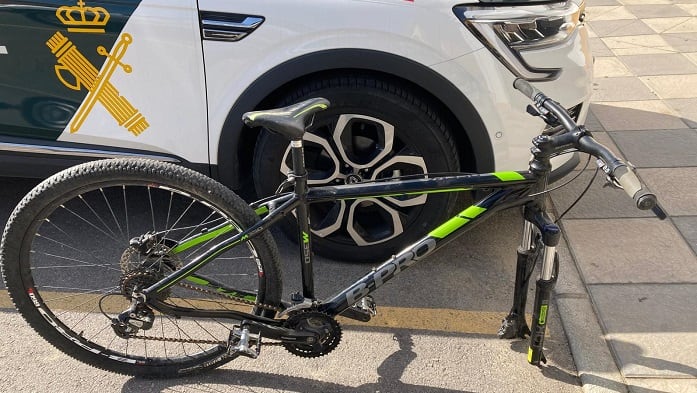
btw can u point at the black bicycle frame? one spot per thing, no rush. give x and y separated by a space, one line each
508 189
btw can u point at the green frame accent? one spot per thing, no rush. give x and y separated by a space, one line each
261 210
456 222
543 314
508 176
202 238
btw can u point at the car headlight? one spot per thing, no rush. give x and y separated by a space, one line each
507 31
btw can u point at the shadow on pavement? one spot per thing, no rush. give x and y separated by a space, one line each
389 372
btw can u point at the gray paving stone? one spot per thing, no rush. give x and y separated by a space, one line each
630 250
638 44
592 122
672 86
675 63
594 3
599 49
656 10
651 328
686 108
637 115
609 67
688 227
622 27
662 385
658 148
679 24
621 89
682 42
676 188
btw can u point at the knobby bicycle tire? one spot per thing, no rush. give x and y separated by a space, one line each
69 265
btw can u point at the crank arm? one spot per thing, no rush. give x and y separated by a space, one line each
285 335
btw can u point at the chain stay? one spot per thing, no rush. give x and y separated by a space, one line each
235 298
212 342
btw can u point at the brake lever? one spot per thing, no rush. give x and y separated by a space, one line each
544 114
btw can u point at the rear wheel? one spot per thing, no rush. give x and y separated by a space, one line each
83 241
374 129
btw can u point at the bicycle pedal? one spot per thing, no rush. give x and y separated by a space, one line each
362 311
240 340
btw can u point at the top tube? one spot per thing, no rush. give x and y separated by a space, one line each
429 185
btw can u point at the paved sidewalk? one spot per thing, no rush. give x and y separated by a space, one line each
640 273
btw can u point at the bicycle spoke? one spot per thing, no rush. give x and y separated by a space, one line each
89 223
111 210
125 210
71 238
68 246
96 215
82 263
152 211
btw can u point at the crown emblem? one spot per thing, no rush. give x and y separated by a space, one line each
82 19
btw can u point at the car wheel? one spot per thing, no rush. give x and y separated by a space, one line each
374 129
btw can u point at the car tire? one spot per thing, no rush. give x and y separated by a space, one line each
373 129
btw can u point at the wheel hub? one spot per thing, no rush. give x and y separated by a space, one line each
146 261
353 179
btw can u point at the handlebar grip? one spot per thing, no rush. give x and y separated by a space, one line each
644 199
526 88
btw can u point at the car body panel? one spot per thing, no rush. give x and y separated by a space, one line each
152 80
190 93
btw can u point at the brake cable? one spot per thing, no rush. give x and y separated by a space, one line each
585 190
580 196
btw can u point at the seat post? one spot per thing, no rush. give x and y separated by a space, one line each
299 173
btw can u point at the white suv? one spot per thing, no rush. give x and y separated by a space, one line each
415 85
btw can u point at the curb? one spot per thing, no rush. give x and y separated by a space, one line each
596 367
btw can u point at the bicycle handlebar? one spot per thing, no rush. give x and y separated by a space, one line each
615 167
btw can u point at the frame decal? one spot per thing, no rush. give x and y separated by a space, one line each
456 222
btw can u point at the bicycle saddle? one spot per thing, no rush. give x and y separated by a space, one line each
289 121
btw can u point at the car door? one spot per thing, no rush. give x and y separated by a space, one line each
115 75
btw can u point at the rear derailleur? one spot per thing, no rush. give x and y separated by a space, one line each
135 318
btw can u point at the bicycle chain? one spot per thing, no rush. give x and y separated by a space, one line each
235 298
195 341
213 342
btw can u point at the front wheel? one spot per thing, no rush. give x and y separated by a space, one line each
374 129
83 241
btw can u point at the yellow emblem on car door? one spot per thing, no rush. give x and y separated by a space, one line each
76 72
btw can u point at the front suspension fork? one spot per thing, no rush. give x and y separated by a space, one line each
515 325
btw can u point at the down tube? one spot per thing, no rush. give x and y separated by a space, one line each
412 254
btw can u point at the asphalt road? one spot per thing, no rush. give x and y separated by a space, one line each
435 332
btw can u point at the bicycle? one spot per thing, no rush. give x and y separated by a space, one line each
141 296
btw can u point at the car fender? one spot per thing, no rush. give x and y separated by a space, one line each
229 168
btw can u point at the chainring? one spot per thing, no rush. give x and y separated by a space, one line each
326 327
